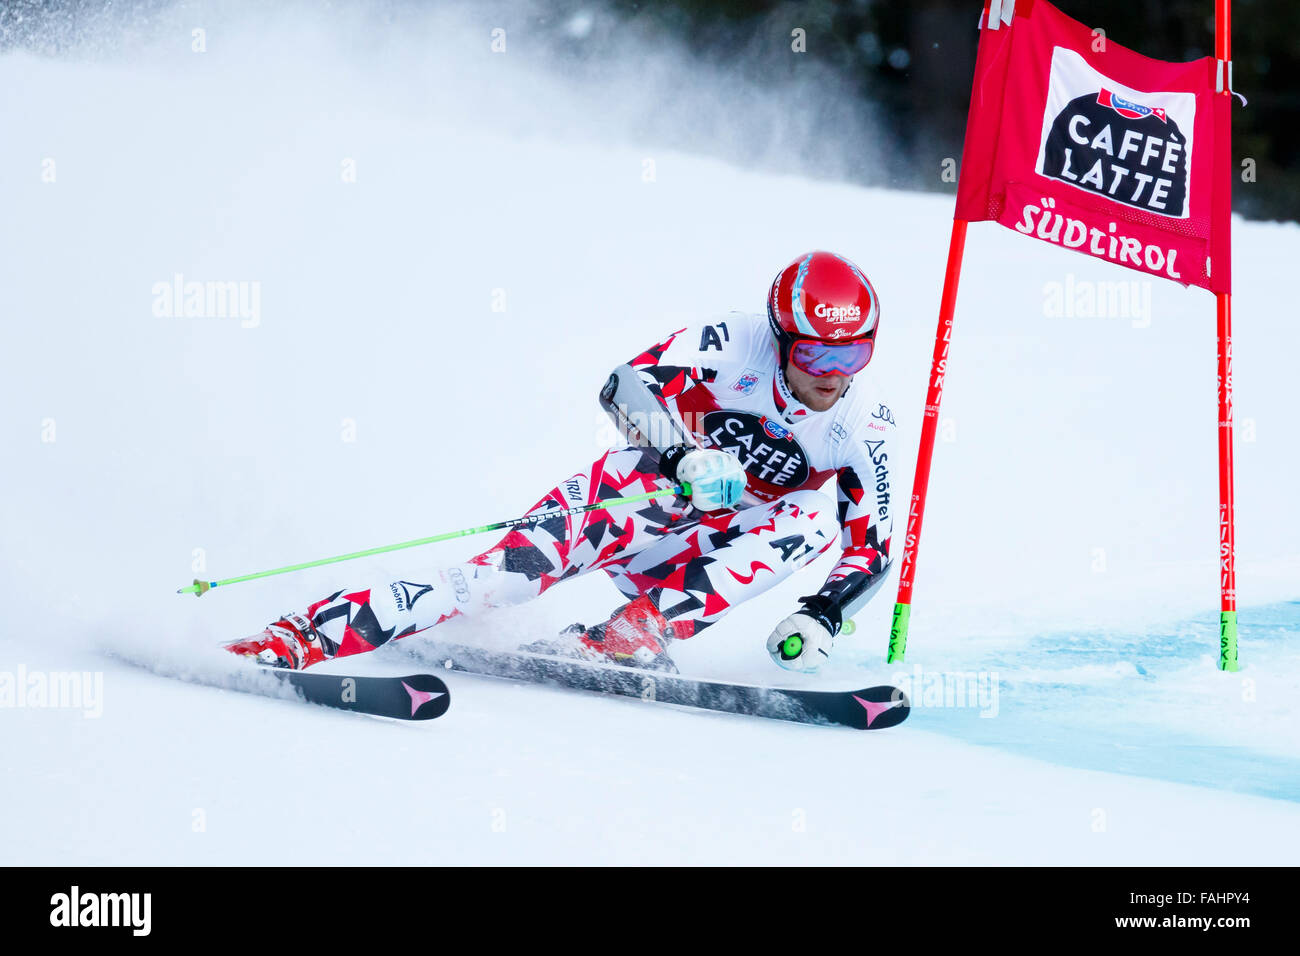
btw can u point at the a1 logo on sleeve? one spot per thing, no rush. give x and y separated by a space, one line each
1122 144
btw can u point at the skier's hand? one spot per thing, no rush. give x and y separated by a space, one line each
715 478
803 641
799 643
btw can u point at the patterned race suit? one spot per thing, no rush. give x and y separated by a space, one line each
716 385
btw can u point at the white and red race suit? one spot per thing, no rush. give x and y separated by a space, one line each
714 385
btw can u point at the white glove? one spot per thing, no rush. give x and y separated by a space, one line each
716 478
800 643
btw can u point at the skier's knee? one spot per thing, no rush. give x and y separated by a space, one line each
819 510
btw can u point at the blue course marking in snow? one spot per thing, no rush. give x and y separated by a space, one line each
1150 705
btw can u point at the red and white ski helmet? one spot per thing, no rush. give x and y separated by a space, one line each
822 297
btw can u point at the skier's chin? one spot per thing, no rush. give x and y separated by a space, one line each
819 394
824 396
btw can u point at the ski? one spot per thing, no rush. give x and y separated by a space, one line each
413 697
870 708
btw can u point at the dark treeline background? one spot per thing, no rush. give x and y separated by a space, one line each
913 61
896 72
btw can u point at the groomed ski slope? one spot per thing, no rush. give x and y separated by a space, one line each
1070 545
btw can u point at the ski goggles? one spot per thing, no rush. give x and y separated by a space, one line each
824 358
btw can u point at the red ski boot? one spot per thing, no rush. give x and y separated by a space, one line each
636 635
290 642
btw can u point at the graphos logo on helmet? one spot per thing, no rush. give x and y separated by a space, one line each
836 313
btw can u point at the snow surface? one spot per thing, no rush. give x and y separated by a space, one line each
1069 559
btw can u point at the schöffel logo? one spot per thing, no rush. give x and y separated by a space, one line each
1108 141
835 313
410 593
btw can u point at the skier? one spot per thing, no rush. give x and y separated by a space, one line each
751 415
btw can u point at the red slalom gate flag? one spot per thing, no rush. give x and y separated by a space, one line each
1075 140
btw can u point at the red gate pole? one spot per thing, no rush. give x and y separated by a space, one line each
929 425
1227 507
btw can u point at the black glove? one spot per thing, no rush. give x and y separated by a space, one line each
824 611
671 458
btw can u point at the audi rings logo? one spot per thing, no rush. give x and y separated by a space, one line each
458 582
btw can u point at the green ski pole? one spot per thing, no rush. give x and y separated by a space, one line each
199 588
